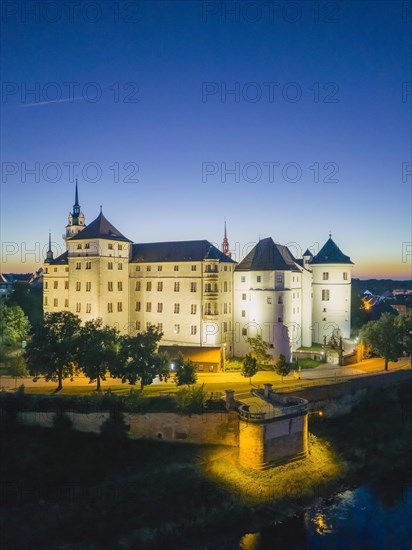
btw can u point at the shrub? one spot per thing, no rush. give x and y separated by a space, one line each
115 426
191 399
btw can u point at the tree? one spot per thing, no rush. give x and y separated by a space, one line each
52 351
18 368
98 349
258 349
14 325
185 371
139 360
29 298
249 367
389 337
282 367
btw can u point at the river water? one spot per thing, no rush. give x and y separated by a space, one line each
357 519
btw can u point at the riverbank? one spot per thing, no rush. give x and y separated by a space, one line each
69 490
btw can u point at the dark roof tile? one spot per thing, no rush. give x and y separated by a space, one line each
178 251
330 253
100 228
268 256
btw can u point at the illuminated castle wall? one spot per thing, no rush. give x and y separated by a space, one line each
291 302
196 294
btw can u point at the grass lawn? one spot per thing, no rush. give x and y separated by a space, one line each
309 363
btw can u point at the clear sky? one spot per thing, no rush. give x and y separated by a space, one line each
315 136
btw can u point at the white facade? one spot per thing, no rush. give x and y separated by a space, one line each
291 303
331 286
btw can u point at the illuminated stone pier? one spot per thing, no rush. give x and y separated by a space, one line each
273 429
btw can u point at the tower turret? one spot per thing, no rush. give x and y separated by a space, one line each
332 277
76 217
49 254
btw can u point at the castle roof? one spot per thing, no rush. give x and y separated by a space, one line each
178 251
60 260
330 253
268 256
100 228
308 253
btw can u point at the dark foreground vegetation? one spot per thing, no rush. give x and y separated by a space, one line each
66 490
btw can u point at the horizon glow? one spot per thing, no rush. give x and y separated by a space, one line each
287 124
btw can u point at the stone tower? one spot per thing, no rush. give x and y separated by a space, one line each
331 287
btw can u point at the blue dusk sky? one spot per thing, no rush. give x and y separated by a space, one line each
287 119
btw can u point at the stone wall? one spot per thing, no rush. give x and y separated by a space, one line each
210 428
263 444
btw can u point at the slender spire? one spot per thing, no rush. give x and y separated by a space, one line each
76 206
49 255
101 209
330 233
76 198
225 244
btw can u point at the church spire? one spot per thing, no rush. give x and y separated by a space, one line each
49 255
225 244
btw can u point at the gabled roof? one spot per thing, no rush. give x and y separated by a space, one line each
60 260
268 256
178 251
308 253
330 253
100 228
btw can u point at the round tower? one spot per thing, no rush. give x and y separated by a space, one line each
331 288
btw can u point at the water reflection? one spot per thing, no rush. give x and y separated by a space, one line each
355 519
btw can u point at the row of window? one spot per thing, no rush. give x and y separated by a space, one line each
208 268
88 265
110 246
176 327
209 287
210 308
279 279
46 269
325 276
66 304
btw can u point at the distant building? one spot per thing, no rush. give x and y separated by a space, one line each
5 286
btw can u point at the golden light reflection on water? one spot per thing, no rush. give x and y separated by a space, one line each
321 526
250 541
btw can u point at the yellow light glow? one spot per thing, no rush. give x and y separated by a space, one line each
320 524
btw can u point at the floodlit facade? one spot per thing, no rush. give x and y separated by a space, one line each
196 294
291 302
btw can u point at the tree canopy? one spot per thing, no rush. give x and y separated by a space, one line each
249 367
282 368
14 325
53 349
98 347
185 371
139 359
389 337
258 349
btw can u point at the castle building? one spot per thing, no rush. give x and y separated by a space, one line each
291 302
196 294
